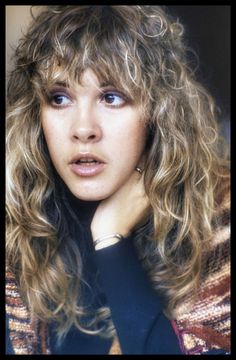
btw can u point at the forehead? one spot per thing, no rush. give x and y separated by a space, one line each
88 77
88 81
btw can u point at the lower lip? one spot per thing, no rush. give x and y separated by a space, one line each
87 169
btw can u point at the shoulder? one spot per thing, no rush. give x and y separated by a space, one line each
24 335
217 256
203 324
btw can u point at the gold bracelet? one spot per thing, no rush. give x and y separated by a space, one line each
99 242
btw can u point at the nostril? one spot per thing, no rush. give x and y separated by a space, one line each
91 137
86 134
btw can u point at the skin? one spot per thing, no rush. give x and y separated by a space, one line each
100 120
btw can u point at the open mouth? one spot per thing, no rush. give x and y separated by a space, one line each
87 165
87 162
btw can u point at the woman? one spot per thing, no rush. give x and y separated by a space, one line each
117 196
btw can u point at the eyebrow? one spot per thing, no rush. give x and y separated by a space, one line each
65 84
62 83
100 85
104 84
107 84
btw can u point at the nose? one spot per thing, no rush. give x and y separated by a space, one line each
86 127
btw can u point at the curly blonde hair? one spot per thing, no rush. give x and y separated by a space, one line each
140 50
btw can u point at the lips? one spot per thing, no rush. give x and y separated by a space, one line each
87 164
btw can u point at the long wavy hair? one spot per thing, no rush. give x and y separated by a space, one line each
140 50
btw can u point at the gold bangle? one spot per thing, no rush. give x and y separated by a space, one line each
100 242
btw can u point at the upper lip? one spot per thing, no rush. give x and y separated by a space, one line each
86 155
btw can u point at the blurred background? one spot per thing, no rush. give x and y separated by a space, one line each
207 32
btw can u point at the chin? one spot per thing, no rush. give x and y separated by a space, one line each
90 196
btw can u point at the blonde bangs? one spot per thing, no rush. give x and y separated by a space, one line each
109 52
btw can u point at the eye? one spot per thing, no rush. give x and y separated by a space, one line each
59 100
113 99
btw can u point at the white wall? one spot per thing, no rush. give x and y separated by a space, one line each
17 19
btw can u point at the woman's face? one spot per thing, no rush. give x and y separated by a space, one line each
94 135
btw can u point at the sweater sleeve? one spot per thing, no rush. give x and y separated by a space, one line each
136 310
8 345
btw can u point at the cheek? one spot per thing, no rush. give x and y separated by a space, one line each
135 138
54 135
128 147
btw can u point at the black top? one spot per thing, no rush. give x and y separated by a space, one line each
118 280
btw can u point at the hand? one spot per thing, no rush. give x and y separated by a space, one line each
123 210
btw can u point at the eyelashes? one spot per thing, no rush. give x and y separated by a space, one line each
114 99
59 100
110 98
